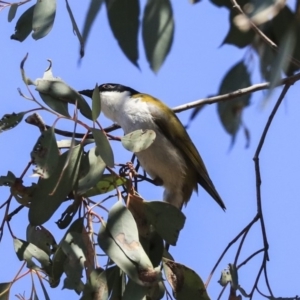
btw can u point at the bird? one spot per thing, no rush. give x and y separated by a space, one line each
172 160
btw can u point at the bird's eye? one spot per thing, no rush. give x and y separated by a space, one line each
108 86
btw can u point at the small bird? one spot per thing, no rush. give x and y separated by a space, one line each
172 159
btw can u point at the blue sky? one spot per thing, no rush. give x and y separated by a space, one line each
193 70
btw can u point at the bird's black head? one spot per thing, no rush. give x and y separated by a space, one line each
113 87
110 87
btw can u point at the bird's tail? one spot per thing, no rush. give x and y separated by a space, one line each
207 184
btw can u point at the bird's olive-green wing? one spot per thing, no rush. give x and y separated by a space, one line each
166 120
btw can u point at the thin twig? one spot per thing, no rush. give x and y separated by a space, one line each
257 167
258 184
258 276
240 247
250 257
267 280
238 93
256 218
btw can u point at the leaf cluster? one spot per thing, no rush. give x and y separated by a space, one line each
134 234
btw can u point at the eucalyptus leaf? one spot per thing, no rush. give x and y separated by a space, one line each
8 180
120 241
12 11
60 257
138 140
96 103
43 18
237 37
103 147
45 154
75 28
74 248
9 121
166 219
41 237
57 106
185 283
134 291
282 60
107 183
156 292
96 285
91 170
51 192
26 251
90 17
54 90
158 31
123 19
230 112
24 25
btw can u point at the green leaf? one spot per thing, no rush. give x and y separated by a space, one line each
51 192
91 170
138 140
281 60
4 290
115 282
41 237
69 213
134 291
45 154
103 147
60 257
185 283
43 18
96 285
60 107
7 180
237 37
107 183
158 31
75 28
24 25
69 143
10 121
96 103
26 251
157 291
74 248
123 19
280 25
154 246
230 112
166 219
120 241
90 17
54 91
12 11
